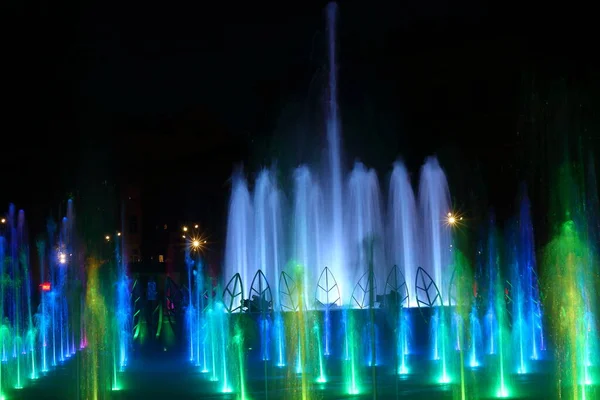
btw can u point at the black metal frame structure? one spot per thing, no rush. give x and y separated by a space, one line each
234 291
327 276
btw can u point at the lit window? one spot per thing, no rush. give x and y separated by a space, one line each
161 258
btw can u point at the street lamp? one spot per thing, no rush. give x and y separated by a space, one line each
453 219
185 228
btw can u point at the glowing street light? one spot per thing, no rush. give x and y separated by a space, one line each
3 220
453 220
118 233
196 243
185 228
196 226
107 237
62 258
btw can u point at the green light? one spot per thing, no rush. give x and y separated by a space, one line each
502 392
238 340
299 359
353 390
350 368
317 332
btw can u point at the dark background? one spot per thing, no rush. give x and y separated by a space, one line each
174 97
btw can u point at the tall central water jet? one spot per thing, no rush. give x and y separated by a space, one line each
337 261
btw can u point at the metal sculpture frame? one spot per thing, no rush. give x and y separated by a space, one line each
421 273
136 297
175 296
400 291
263 292
287 290
365 289
208 295
232 294
327 275
206 300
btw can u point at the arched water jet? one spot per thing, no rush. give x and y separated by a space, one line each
402 227
434 205
364 225
308 227
238 253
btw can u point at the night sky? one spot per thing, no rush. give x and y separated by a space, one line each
175 97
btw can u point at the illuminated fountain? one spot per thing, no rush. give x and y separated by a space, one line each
20 349
97 378
569 280
565 258
122 307
464 331
334 227
500 331
34 336
335 281
333 273
525 304
65 276
402 227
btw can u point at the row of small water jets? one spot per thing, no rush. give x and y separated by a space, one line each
265 231
44 326
38 331
491 319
